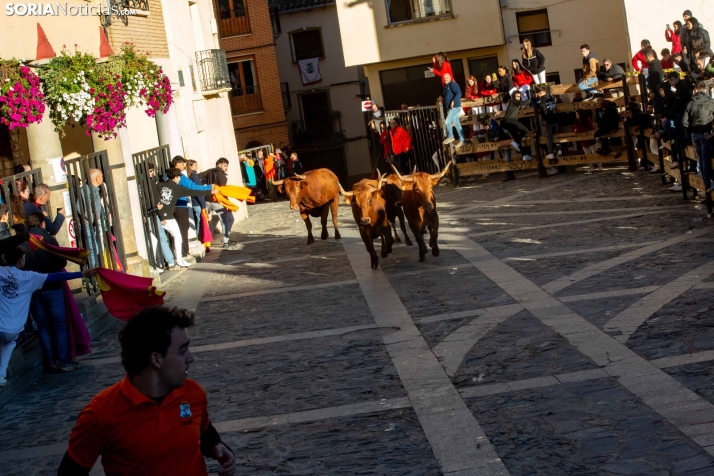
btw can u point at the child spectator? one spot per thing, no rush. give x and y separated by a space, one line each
583 123
533 61
441 66
674 37
591 67
472 93
496 133
489 88
522 78
607 123
667 61
697 119
639 61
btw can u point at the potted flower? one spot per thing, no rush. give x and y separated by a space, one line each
20 95
145 82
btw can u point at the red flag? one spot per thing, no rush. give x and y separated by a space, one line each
75 255
125 294
206 235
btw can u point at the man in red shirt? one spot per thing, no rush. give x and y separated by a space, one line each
155 421
401 144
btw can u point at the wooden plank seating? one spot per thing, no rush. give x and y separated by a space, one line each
601 86
470 146
572 137
618 155
492 166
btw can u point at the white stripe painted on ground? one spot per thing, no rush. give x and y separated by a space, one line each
286 289
684 359
630 319
556 254
559 213
508 309
449 425
707 285
686 410
199 275
608 294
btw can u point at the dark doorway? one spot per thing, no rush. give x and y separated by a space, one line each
332 159
317 119
411 87
480 67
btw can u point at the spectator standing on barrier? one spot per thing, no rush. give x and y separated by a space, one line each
496 133
583 123
510 122
401 144
610 72
697 119
452 108
549 120
505 85
296 164
696 31
154 215
590 69
170 192
441 67
656 73
218 176
42 196
533 61
154 421
672 116
607 123
639 61
377 117
16 294
674 36
181 210
198 203
47 304
522 79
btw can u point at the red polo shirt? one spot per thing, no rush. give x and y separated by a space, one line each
136 436
401 142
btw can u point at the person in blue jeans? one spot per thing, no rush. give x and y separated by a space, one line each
698 117
452 107
198 203
166 252
591 67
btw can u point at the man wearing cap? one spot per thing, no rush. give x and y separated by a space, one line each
154 421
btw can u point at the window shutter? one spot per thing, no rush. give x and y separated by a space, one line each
533 22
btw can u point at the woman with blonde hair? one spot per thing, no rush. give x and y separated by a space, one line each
534 61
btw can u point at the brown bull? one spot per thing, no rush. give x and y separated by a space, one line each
370 212
392 192
315 194
419 206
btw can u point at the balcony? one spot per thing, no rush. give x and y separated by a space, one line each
329 129
404 11
245 100
285 93
212 71
232 18
275 22
142 5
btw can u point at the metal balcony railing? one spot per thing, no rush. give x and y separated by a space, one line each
285 92
414 10
213 71
136 4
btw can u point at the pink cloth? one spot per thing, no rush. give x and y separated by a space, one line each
77 334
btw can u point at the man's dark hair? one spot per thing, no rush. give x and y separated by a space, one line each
645 42
586 46
177 160
485 120
18 169
12 256
665 52
650 53
672 75
222 160
35 219
173 172
150 166
396 119
148 332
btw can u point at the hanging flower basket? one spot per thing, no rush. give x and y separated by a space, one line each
114 65
20 95
145 82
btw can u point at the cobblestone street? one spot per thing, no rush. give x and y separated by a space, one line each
563 330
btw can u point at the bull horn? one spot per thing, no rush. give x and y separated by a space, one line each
301 177
278 182
414 171
380 180
342 191
402 178
442 173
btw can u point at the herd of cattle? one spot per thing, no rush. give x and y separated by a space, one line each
376 206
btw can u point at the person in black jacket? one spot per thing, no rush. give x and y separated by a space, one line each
672 116
4 226
698 117
296 164
696 31
608 122
610 72
496 133
510 122
505 85
218 176
198 203
656 74
153 213
534 61
169 192
42 195
47 304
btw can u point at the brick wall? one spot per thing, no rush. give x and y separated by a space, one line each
146 33
260 45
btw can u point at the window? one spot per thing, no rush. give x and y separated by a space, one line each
409 10
245 95
535 26
552 78
410 86
307 44
232 18
578 74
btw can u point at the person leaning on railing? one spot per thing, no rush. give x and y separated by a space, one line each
697 119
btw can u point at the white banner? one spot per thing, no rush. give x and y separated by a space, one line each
310 71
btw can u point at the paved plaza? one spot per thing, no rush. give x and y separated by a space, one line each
566 329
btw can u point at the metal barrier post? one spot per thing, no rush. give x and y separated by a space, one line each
631 160
8 189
